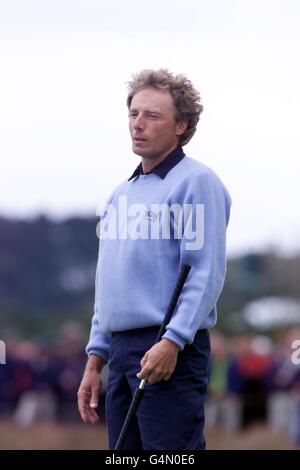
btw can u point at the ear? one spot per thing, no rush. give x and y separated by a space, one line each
181 127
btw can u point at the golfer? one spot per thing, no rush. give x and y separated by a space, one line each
173 210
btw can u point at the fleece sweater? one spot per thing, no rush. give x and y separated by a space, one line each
149 228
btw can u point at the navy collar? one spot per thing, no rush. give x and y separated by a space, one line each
163 167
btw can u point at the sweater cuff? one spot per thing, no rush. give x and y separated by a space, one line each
99 352
172 336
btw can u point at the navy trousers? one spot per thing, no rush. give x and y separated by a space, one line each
171 414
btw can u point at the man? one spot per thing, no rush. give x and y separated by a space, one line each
182 211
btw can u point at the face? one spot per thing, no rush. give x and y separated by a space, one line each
154 131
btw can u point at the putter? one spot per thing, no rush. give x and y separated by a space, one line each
139 392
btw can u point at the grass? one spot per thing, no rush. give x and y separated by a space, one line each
84 437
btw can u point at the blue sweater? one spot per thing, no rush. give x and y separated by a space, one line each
149 229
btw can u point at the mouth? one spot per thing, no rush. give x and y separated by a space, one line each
139 139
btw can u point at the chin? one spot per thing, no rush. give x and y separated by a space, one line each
137 152
141 153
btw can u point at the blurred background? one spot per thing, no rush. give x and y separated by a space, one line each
64 146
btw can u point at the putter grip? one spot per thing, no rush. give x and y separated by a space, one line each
137 397
176 293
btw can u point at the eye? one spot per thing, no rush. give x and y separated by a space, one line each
152 116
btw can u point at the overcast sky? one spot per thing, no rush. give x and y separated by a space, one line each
64 141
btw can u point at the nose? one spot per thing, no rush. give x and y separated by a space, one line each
138 123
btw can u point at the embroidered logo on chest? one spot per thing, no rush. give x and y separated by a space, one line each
150 215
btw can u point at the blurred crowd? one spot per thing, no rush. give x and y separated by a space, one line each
39 381
252 379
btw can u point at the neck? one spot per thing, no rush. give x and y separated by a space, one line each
149 163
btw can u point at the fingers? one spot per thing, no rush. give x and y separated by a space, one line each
88 397
144 360
88 415
153 375
87 412
158 377
167 377
95 398
144 372
158 363
145 369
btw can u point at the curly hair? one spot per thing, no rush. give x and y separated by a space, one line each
186 97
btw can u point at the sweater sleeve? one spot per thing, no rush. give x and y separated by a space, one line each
203 247
99 341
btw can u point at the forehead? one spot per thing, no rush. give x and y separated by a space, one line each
152 98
